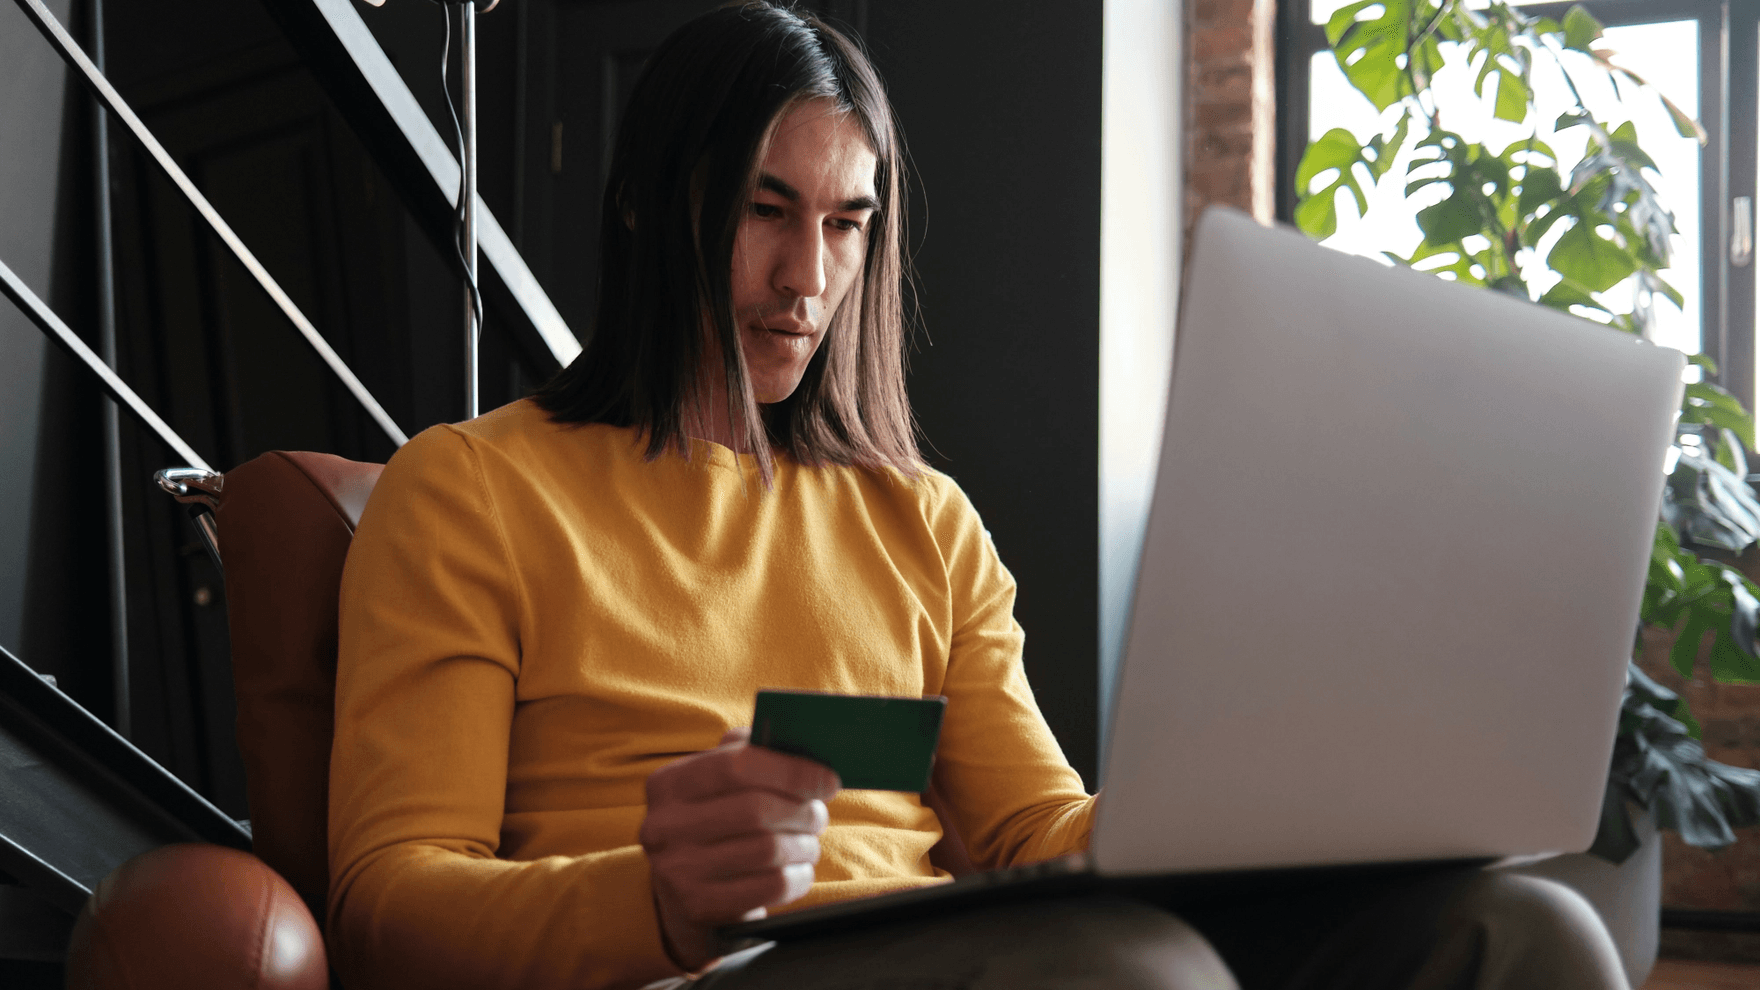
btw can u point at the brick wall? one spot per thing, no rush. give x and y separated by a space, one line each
1729 716
1700 879
1230 111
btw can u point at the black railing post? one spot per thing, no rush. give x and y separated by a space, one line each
122 711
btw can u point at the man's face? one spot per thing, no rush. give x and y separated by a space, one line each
801 243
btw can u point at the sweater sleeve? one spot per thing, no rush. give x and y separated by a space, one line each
429 655
1014 797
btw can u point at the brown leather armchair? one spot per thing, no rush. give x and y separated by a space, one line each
212 917
286 520
283 524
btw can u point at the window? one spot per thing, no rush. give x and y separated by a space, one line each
1701 53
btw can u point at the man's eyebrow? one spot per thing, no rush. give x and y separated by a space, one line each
771 183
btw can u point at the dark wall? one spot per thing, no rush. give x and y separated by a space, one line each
31 119
1001 113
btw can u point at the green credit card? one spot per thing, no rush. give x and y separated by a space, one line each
873 742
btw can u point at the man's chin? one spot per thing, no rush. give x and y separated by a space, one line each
771 392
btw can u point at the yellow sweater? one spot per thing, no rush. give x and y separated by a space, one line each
535 618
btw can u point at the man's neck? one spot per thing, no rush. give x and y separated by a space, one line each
706 417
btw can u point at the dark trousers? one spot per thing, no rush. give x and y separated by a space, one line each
1453 930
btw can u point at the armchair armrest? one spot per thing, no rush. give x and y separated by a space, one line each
195 916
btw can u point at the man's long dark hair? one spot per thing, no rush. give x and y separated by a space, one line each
697 123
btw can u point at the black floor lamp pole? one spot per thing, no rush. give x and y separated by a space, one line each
473 329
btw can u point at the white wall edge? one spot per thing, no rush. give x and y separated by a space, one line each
1142 116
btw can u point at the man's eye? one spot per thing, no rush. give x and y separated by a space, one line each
766 210
849 225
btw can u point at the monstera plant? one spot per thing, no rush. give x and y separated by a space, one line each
1567 235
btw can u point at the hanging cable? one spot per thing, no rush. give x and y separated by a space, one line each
462 203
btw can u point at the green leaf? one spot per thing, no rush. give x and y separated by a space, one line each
1487 168
1417 184
1729 665
1539 187
1387 149
1712 394
1667 540
1665 570
1317 216
1673 294
1569 119
1337 148
1461 266
1684 716
1527 150
1512 97
1705 402
1704 361
1658 764
1732 455
1684 124
1369 49
1536 229
1316 212
1342 19
1712 506
1378 78
1580 29
1589 259
1732 655
1486 66
1625 145
1566 294
1450 220
1726 455
1511 284
1686 645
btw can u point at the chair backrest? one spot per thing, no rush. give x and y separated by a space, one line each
285 521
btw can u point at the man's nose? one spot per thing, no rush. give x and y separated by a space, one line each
801 269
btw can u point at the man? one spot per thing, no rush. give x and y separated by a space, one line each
555 617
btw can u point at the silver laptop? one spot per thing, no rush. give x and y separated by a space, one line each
1388 587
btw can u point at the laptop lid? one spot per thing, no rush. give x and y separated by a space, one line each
1392 568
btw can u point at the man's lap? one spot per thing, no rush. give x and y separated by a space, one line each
1457 929
1097 941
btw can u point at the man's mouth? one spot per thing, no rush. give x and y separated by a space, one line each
786 329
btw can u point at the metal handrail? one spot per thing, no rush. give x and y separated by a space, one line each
410 135
100 86
200 490
336 44
122 696
39 313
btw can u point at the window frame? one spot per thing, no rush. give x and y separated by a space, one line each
1729 77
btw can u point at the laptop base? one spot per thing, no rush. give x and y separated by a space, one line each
1068 877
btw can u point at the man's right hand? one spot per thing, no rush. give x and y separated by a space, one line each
730 832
